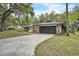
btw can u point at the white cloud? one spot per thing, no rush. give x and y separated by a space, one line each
71 6
57 8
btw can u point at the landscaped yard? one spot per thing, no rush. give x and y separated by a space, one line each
7 34
59 45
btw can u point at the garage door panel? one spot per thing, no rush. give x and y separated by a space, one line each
47 29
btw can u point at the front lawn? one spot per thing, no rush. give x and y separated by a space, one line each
8 34
59 45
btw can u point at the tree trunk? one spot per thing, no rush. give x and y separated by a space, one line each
2 25
4 17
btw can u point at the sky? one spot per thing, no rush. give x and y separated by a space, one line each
40 8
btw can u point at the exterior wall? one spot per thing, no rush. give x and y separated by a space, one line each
30 29
36 29
58 29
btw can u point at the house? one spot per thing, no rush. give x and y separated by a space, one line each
10 28
45 27
28 28
48 27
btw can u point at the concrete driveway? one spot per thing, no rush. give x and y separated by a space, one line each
21 46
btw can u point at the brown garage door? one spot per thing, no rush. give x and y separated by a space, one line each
48 29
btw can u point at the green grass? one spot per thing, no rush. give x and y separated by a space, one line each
8 34
59 46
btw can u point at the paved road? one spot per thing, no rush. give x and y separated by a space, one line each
21 46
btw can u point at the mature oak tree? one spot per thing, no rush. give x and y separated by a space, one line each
15 9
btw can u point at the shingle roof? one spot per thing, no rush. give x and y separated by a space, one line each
49 23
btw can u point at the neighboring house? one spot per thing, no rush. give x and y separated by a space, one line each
48 27
17 28
10 28
28 28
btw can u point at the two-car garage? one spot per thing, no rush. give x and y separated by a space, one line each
47 29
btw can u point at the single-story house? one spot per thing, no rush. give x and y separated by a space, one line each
45 27
48 27
10 28
28 28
